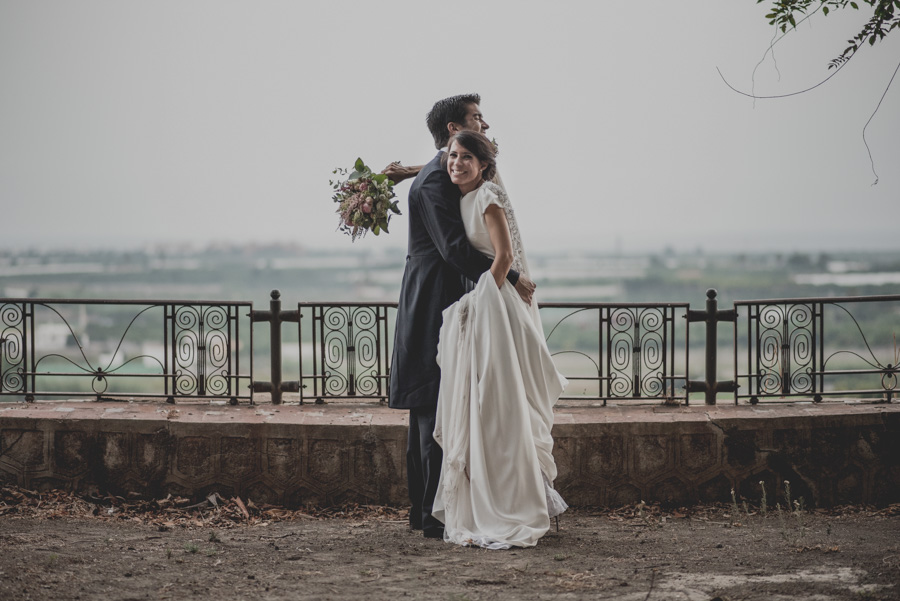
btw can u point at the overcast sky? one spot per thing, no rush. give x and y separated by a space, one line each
124 124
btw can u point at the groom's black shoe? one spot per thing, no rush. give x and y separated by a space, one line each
434 532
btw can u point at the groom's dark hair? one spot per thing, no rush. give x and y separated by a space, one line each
448 110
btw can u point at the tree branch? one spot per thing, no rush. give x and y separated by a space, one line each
754 96
871 160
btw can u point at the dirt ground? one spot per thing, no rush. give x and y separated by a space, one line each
56 546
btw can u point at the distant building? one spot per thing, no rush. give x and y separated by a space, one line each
56 337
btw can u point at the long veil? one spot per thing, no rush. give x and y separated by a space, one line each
520 261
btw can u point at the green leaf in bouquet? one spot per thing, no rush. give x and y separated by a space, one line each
384 226
379 177
359 165
395 208
376 230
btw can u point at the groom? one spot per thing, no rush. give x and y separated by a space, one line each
439 260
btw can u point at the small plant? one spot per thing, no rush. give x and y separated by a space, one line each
168 553
734 507
640 509
210 552
802 529
787 493
762 502
560 557
214 537
746 509
191 547
781 521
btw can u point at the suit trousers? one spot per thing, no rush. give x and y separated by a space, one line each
423 469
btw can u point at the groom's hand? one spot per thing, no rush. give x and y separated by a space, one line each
397 172
525 288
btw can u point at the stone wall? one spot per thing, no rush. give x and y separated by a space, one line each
280 463
291 455
830 455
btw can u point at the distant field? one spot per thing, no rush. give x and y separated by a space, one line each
368 274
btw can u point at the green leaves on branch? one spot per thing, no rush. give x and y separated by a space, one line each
359 169
885 18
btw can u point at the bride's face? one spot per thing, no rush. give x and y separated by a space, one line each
465 169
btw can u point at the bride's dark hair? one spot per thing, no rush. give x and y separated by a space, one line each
478 144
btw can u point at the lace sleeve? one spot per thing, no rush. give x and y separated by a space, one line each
498 196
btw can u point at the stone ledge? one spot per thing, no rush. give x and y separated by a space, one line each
292 455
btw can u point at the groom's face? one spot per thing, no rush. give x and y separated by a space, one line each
474 121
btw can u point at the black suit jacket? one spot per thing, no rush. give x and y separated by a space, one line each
439 252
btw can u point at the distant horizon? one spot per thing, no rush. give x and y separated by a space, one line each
370 245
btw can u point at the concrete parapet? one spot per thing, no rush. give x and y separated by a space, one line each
832 453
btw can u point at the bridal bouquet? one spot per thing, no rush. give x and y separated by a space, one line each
364 200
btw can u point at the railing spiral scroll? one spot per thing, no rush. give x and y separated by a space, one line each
350 346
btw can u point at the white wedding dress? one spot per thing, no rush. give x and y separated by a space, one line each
495 407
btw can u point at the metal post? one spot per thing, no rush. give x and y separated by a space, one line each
275 316
711 316
275 344
712 330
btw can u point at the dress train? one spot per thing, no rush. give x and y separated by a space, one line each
495 412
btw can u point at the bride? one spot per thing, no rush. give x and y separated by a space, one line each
498 382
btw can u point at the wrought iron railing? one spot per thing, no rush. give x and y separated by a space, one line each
631 353
345 350
623 352
782 351
627 351
165 349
